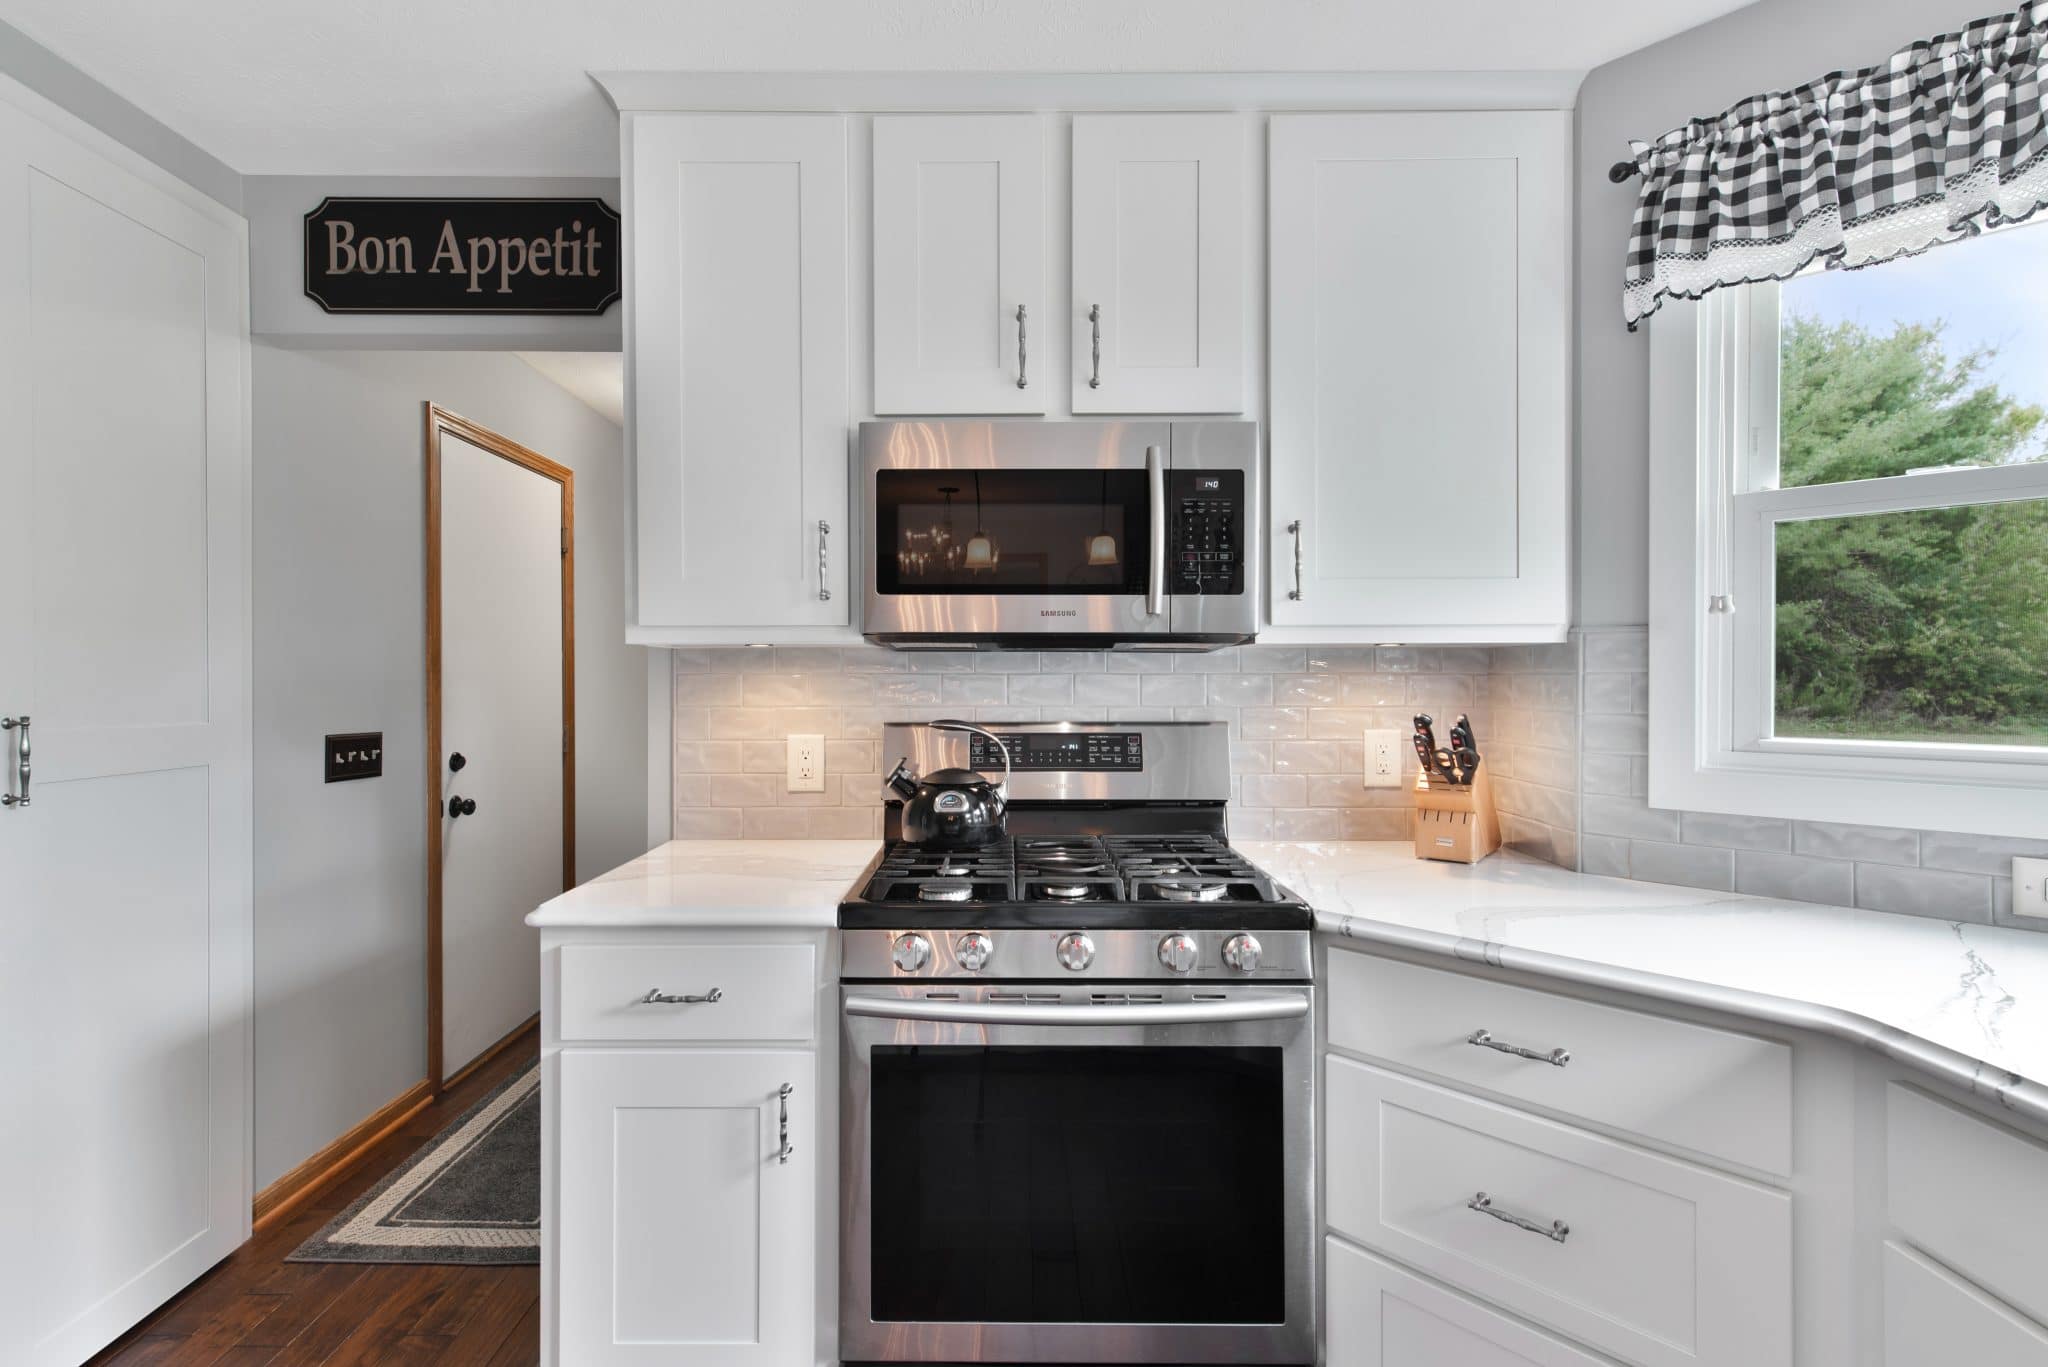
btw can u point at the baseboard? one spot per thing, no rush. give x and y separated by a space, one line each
292 1190
512 1037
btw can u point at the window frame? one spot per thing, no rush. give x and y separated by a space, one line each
1714 498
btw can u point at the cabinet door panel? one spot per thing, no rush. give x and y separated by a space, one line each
1932 1318
1159 205
959 247
1421 321
738 338
683 1238
1382 1316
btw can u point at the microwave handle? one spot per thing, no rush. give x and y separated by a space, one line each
1032 1013
1155 489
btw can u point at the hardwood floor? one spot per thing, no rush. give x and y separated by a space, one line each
254 1308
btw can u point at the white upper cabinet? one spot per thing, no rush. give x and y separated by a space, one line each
1420 305
959 223
736 338
1158 308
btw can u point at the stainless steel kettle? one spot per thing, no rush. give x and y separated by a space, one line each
951 809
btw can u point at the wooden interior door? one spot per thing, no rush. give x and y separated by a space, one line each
124 639
501 734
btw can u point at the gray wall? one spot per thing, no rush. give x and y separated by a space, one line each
339 568
63 84
1769 46
280 311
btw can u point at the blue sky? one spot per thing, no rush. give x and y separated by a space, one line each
1991 290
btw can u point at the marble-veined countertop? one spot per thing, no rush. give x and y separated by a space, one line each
1968 1003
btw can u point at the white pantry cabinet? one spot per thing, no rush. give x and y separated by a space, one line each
1158 307
736 338
959 252
685 1236
1420 313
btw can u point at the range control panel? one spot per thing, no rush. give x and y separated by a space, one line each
1039 751
1205 531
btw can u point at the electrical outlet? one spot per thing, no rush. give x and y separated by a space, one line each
1383 759
2030 887
806 764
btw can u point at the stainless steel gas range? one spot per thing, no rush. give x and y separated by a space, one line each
1078 1078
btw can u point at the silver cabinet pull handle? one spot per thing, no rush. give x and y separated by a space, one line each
20 797
784 1149
824 530
1155 495
656 997
1485 1040
1095 346
1294 594
1556 1229
1020 346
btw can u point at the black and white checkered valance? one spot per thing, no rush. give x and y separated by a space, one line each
1944 138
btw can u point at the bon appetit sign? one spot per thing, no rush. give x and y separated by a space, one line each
463 255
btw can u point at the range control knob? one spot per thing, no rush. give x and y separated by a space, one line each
971 951
1241 952
1178 953
1075 952
912 953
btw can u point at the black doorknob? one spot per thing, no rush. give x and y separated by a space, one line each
461 806
456 761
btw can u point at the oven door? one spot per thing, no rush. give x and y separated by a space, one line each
1048 1174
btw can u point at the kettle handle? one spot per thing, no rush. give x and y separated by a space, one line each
901 781
950 724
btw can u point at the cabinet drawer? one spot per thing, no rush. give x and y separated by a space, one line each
1712 1091
1382 1316
1971 1193
1661 1262
765 992
1933 1318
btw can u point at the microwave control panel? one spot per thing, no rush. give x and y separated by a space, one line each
1205 536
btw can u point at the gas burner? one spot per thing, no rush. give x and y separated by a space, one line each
1192 892
950 870
1065 892
949 891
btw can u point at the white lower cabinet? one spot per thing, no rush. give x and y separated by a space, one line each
1933 1318
1383 1316
685 1235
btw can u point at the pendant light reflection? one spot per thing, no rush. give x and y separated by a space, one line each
982 553
1102 546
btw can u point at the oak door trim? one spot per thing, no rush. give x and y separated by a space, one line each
438 421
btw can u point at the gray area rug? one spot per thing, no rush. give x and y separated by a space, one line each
471 1195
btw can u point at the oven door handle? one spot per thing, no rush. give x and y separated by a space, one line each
1031 1013
1155 498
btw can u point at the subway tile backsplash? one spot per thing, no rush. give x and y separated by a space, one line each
1297 718
1564 729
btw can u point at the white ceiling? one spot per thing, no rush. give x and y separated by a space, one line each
598 378
498 87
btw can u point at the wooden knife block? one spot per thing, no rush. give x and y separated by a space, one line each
1455 822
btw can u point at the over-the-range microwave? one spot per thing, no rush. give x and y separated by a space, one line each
1049 535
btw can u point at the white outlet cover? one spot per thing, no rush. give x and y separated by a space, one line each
806 764
2030 887
1383 762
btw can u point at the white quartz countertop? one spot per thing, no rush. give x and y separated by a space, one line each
1968 1003
713 884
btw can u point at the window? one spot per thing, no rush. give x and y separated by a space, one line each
1850 543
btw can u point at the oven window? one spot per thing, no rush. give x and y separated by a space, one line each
1078 1185
1011 531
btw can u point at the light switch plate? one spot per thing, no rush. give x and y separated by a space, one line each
1383 759
2030 887
806 764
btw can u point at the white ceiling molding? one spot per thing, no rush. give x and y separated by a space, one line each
454 87
914 91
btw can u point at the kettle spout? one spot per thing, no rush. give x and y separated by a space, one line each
901 781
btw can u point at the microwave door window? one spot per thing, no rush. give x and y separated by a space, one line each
1040 532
